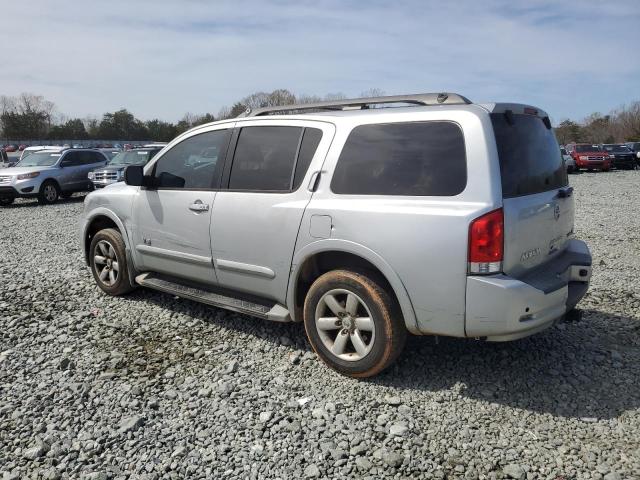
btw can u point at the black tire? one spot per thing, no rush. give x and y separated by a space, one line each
384 342
66 195
115 261
49 193
6 201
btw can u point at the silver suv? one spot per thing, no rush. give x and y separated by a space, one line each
48 174
440 218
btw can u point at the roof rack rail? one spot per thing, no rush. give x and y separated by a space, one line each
443 98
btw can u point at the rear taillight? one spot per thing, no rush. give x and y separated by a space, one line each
486 243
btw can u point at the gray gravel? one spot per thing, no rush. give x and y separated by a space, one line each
152 386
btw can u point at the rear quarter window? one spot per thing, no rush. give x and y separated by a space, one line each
529 155
409 159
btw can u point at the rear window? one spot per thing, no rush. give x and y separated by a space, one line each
414 159
530 159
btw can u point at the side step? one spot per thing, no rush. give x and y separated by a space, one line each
267 310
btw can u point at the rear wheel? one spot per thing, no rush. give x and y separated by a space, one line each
108 261
353 323
49 192
4 201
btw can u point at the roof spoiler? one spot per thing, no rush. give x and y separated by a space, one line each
443 98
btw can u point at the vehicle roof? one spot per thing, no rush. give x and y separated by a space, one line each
338 115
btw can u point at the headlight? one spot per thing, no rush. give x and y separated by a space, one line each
24 176
92 176
584 157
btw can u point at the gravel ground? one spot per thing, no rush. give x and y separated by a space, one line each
151 386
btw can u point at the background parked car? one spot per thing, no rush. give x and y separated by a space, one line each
623 156
114 171
11 148
110 152
589 156
49 174
568 160
635 148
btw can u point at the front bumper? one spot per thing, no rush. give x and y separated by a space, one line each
625 162
502 308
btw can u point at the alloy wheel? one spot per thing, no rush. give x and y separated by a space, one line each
345 324
105 263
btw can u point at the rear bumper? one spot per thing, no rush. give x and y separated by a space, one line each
501 308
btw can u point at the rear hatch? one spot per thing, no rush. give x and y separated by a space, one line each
538 204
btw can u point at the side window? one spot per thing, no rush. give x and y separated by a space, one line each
417 158
310 141
264 158
72 159
89 158
194 163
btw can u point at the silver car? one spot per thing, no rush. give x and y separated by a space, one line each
441 218
49 174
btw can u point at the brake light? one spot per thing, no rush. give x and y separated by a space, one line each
486 243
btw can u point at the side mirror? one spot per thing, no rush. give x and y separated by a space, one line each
134 175
65 163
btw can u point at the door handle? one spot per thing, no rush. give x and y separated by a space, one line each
198 206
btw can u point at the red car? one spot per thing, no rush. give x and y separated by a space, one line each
590 156
11 148
22 147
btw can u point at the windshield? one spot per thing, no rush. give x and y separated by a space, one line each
588 148
133 157
39 159
529 155
617 148
110 153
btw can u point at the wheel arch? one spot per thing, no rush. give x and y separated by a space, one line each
100 219
318 257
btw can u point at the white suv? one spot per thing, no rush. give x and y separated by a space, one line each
441 218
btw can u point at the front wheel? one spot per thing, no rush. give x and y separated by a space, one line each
353 323
108 261
49 193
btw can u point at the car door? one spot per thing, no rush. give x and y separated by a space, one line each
70 164
171 220
90 161
256 217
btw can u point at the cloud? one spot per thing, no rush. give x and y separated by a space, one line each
164 58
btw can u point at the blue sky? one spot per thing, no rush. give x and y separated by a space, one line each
165 58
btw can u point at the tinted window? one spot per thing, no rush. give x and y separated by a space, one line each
264 158
418 158
193 163
92 157
530 158
72 159
310 140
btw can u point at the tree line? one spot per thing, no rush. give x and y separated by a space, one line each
29 116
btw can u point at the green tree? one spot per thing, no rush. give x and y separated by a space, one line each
121 125
569 131
160 131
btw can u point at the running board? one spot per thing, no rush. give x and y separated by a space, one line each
274 311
